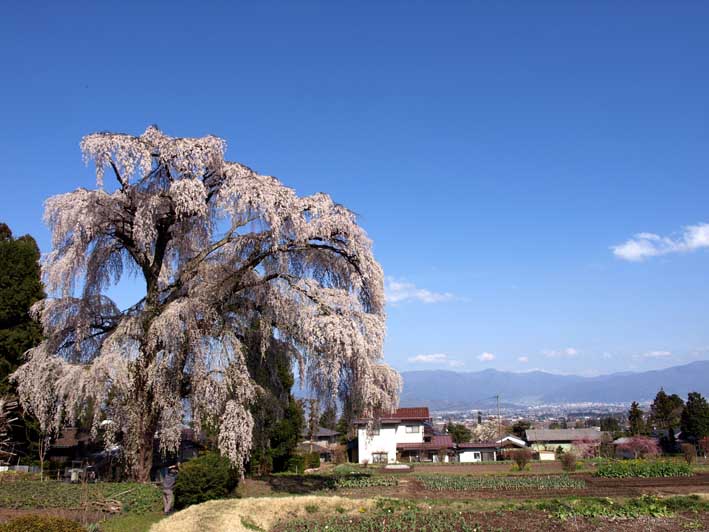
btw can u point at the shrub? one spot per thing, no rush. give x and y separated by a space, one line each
641 447
644 469
690 453
568 461
296 464
209 476
522 458
312 461
32 523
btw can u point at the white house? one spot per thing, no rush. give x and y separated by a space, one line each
406 431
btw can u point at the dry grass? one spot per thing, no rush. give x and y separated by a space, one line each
226 515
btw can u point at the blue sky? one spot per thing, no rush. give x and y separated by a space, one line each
496 152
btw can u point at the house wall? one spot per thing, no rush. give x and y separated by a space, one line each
384 442
409 437
470 456
551 446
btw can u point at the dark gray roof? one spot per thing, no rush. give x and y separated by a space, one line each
321 432
561 435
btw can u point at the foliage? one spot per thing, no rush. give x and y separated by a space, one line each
568 462
135 498
645 505
488 430
610 424
520 428
690 453
278 418
365 481
328 417
459 432
296 464
695 417
521 457
641 447
209 476
33 523
635 419
527 482
586 447
666 410
312 460
20 288
643 468
219 247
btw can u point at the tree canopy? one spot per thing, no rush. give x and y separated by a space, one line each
20 288
666 409
459 432
217 247
695 417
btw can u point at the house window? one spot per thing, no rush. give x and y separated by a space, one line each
476 456
413 429
380 458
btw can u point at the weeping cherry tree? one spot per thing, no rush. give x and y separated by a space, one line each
219 248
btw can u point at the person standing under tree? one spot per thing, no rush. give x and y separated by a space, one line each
168 485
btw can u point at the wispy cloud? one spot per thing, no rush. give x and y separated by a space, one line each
398 291
523 360
437 358
655 354
645 245
567 352
486 357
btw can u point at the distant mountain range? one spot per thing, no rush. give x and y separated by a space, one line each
451 390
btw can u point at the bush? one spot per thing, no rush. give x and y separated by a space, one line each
689 452
644 469
312 460
209 476
296 464
33 523
568 461
522 458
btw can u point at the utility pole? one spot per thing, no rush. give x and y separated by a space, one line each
499 420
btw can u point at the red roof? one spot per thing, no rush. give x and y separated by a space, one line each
436 443
418 413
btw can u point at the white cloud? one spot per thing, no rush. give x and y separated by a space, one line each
523 360
655 354
399 291
486 357
644 245
436 358
567 352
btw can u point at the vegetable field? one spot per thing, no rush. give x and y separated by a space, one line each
463 483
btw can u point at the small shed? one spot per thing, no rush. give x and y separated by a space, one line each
477 452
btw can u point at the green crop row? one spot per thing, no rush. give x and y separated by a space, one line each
365 481
462 483
643 469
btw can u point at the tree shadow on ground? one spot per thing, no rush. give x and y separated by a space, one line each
300 484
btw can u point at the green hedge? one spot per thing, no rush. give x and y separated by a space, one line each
34 523
644 469
209 476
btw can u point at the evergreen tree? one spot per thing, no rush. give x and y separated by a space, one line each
328 417
666 410
695 417
635 420
20 287
610 424
520 429
278 419
459 432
